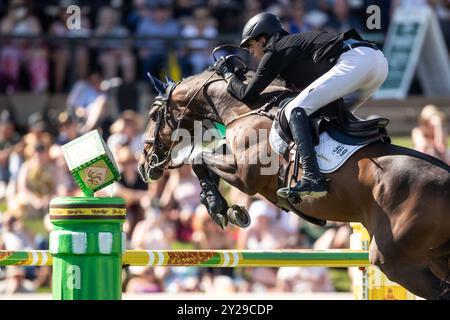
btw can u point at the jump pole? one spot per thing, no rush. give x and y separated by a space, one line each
79 275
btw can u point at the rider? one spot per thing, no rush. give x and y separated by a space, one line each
330 66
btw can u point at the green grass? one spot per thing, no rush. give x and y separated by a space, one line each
403 141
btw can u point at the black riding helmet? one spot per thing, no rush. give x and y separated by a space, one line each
262 24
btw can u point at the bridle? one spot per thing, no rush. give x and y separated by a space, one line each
161 102
162 116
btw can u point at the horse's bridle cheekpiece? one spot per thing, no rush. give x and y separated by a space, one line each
164 92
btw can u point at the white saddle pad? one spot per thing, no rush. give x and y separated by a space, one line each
331 154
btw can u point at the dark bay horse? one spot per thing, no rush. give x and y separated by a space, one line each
401 196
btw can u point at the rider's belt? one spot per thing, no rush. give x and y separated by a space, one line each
359 44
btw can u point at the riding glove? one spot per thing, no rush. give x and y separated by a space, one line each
223 67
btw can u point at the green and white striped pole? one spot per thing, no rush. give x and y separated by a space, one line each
87 245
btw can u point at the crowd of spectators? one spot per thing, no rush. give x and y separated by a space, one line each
53 63
166 214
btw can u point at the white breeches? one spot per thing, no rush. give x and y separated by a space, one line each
359 71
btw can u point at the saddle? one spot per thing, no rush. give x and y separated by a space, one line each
339 123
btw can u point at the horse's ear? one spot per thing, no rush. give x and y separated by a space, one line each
169 81
157 84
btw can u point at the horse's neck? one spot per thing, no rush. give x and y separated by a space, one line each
226 111
232 112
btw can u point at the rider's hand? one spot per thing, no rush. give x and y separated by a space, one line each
224 68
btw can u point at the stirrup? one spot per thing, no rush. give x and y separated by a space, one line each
296 196
288 193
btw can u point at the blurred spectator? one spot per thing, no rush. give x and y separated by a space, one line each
182 179
229 14
222 284
199 51
304 280
430 136
10 141
183 8
16 282
65 183
130 187
67 128
136 14
342 20
206 233
157 22
88 101
37 179
114 53
144 281
14 234
316 19
265 232
37 125
153 233
296 18
127 131
183 225
336 237
20 21
61 53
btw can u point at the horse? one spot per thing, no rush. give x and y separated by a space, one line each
401 196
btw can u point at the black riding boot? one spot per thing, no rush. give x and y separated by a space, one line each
313 182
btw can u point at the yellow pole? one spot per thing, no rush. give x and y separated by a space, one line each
369 283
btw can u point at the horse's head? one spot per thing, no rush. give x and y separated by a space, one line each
172 110
155 156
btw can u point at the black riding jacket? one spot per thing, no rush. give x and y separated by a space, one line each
299 59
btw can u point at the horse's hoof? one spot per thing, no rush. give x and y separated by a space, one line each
238 216
220 220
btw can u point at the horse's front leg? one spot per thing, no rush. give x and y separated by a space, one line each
210 195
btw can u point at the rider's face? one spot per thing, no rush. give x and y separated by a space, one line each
256 48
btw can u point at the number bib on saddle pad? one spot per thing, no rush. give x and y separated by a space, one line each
331 154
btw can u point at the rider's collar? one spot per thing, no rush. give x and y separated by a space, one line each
270 44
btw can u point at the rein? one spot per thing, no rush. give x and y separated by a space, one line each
262 111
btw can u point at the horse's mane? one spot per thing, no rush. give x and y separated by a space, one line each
277 86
